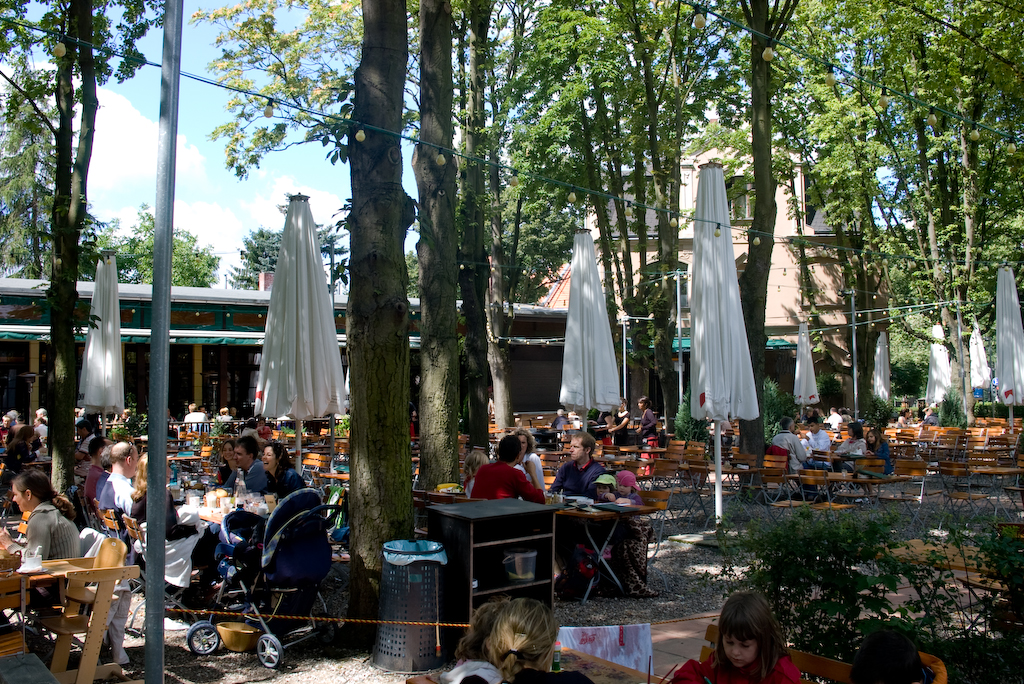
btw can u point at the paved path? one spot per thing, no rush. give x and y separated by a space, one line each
676 642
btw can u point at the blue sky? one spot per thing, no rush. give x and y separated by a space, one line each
210 202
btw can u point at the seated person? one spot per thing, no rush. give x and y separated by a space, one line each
500 480
522 644
888 657
251 467
854 443
174 530
282 479
83 429
577 477
471 663
50 529
604 488
230 463
750 648
791 443
99 471
627 489
820 440
471 467
263 431
529 462
22 448
560 421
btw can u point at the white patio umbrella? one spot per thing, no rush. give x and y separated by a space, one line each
1009 341
589 373
721 376
981 374
939 370
805 389
101 388
300 368
880 381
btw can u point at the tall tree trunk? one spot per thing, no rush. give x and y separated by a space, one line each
70 204
436 249
754 281
499 292
474 271
378 320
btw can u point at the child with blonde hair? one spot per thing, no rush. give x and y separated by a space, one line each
750 648
474 459
522 644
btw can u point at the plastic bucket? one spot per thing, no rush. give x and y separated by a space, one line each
520 564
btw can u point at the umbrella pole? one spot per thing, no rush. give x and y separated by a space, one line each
718 473
298 446
331 437
1011 419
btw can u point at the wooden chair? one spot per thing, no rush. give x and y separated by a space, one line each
74 620
111 520
111 554
958 490
658 499
12 595
908 486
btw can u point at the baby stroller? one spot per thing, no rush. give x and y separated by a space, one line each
272 572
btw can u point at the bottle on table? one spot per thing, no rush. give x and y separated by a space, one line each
556 660
240 490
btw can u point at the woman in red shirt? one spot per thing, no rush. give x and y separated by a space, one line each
501 480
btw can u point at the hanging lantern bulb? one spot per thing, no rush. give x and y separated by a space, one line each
830 78
629 210
360 135
674 222
853 259
1011 147
783 271
514 180
975 135
778 289
440 159
699 20
757 240
268 111
59 50
718 231
58 261
883 100
933 120
768 54
572 197
885 261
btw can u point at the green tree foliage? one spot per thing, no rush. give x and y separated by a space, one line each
191 266
259 255
412 264
302 53
26 192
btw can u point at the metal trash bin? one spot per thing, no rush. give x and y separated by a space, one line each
412 589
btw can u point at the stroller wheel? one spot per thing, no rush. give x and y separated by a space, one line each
202 638
269 651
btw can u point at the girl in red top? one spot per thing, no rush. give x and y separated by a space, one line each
750 648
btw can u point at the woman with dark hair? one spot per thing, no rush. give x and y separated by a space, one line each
877 446
21 448
230 464
50 530
648 423
618 426
282 479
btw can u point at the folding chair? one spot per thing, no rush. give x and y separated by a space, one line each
12 595
660 500
908 486
958 490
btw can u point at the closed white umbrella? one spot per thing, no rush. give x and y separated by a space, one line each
981 374
805 389
300 368
939 370
880 381
1009 341
721 376
101 389
589 374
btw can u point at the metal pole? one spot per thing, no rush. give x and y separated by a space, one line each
718 472
160 345
853 334
624 395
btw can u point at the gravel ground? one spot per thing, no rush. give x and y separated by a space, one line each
689 571
689 592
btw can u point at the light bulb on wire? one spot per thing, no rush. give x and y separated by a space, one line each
699 20
360 135
59 50
440 159
674 222
975 135
933 120
718 231
268 111
883 99
1011 147
514 180
830 79
768 54
756 240
572 197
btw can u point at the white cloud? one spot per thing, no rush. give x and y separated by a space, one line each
264 207
215 226
124 150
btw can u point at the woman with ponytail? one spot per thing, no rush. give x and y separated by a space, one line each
522 644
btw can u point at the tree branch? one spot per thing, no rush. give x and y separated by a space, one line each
31 102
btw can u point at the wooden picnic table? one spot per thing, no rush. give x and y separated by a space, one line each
942 556
599 671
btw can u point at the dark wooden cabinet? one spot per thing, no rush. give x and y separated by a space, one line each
477 537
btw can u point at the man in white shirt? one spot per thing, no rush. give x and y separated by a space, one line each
816 437
834 420
117 494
